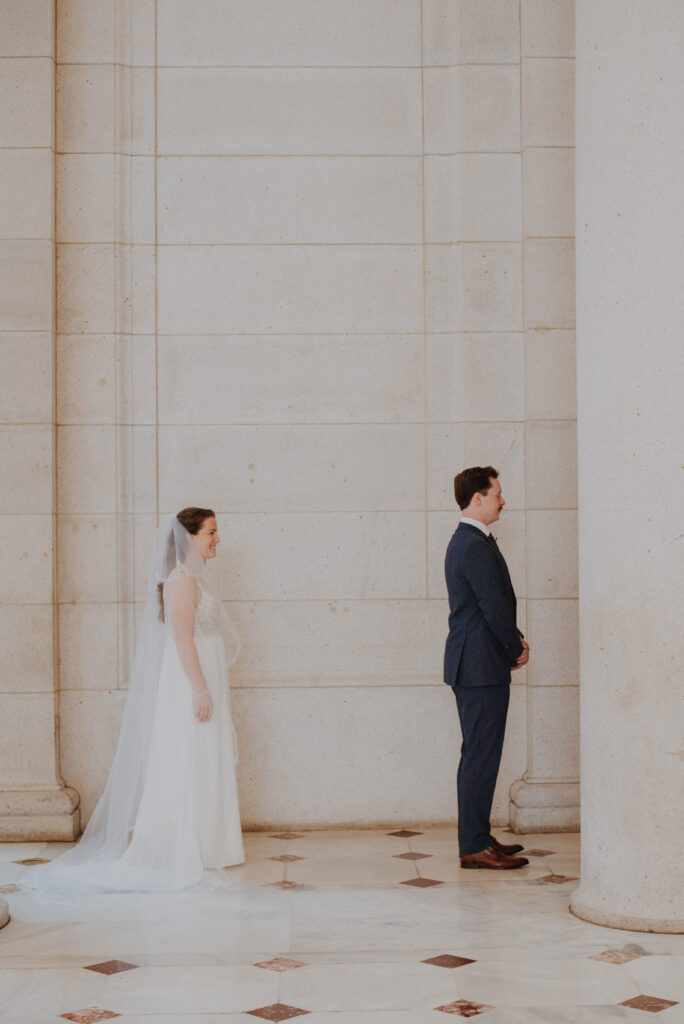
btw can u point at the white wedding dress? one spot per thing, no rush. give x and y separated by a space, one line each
188 820
168 819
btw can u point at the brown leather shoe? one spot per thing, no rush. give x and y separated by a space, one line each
508 849
493 859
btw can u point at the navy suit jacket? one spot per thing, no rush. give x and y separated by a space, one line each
483 640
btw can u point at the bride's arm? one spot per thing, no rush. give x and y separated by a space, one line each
179 601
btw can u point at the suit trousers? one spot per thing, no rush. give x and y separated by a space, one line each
482 712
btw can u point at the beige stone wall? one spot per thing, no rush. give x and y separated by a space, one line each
26 392
315 257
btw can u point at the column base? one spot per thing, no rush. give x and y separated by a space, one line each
4 913
545 806
48 815
599 915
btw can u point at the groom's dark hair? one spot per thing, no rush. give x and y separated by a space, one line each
469 482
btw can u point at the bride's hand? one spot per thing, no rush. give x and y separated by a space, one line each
203 706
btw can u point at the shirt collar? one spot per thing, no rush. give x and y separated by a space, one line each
477 523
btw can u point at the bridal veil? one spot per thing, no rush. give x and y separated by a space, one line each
84 873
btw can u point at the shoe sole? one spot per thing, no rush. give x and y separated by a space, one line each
494 867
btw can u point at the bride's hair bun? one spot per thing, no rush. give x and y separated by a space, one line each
192 518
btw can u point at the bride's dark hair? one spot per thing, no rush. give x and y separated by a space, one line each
191 518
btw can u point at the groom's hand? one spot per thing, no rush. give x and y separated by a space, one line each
524 657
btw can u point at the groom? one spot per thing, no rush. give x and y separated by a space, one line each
483 645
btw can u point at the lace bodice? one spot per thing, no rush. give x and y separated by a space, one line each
207 614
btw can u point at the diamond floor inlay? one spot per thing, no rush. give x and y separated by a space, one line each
90 1015
277 1011
281 963
448 960
333 929
421 883
615 956
652 1004
464 1008
112 967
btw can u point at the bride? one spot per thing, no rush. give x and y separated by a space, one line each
168 818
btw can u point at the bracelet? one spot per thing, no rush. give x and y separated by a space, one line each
199 693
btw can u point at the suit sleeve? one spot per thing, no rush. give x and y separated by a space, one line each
481 575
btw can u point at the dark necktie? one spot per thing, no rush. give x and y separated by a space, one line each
492 540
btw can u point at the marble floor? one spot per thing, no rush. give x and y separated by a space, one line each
353 927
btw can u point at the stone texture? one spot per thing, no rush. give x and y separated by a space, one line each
88 646
86 108
549 283
550 374
538 807
289 111
27 377
26 559
26 455
470 32
553 633
230 33
552 547
26 285
472 109
549 177
26 651
363 290
473 197
551 456
310 379
30 211
85 185
548 28
631 363
473 287
86 293
27 87
475 377
321 464
53 814
87 32
281 200
548 107
27 28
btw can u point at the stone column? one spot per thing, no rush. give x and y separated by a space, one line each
34 803
546 798
630 274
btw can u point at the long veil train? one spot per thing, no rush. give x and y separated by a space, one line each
96 869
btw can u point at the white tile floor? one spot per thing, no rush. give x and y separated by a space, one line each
359 934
